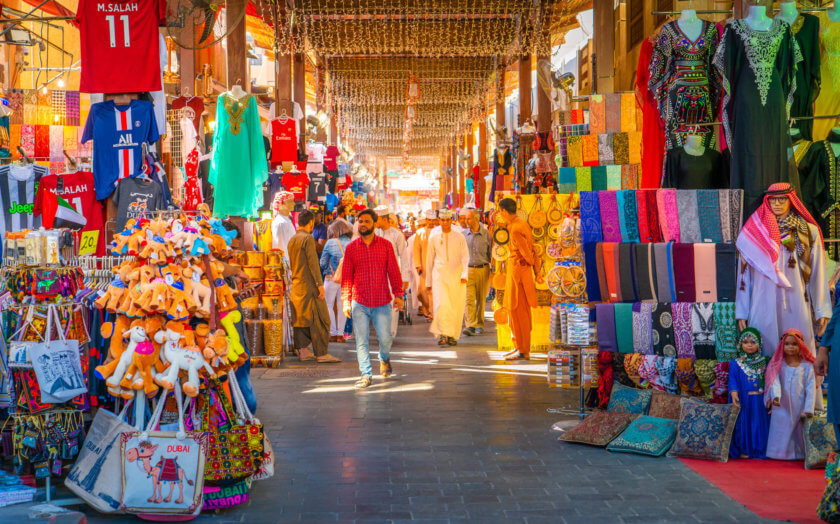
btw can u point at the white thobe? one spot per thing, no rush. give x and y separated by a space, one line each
414 278
772 309
397 240
282 230
794 387
447 262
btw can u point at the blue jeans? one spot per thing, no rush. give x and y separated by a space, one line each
381 317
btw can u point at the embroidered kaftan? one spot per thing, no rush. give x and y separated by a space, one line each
758 71
796 389
806 29
239 166
828 102
818 172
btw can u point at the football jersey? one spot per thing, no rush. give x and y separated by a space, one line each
18 186
117 39
331 158
317 187
297 184
77 189
283 140
118 133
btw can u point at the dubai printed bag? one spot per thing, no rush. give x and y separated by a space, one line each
165 469
96 475
57 364
19 357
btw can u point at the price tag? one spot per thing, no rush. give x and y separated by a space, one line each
87 245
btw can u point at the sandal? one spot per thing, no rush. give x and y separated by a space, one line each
517 356
306 355
363 382
327 359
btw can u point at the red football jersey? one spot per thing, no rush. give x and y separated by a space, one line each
296 184
117 39
78 190
283 140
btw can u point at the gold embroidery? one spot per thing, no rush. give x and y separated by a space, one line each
235 109
797 24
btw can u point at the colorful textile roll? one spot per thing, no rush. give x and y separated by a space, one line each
662 263
726 267
606 156
583 178
628 216
683 256
723 213
626 281
624 327
726 331
705 370
705 273
642 254
597 114
632 363
666 368
642 323
590 150
605 320
662 332
621 148
669 218
686 378
708 209
635 139
648 372
602 273
684 342
574 150
703 330
613 177
593 290
628 112
613 112
590 217
599 178
619 372
611 271
689 216
609 216
566 180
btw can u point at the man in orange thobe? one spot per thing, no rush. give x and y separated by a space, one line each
522 263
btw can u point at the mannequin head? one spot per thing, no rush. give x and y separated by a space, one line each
779 205
283 204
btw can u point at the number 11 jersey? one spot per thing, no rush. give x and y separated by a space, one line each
118 37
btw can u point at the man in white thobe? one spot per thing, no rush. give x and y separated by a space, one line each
392 234
448 261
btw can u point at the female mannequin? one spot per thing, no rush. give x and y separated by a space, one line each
694 145
788 12
690 25
757 18
828 101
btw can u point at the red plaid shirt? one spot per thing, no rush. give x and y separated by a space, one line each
369 273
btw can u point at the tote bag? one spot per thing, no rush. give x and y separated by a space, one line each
96 475
57 364
336 277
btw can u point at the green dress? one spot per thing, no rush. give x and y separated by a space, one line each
239 167
806 31
821 188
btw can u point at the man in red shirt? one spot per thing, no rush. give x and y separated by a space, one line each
370 284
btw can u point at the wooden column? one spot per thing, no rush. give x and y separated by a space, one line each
544 85
468 173
524 88
500 98
604 40
282 71
333 128
299 79
237 61
483 169
321 99
186 57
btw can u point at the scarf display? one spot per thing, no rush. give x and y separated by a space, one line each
760 239
605 147
635 138
631 367
609 216
642 214
686 378
642 325
621 147
663 268
705 273
624 327
683 332
774 367
642 280
689 216
590 217
590 150
665 368
619 372
726 268
574 150
614 177
662 331
669 218
605 378
648 372
720 390
626 272
736 208
583 178
683 257
599 181
703 331
590 259
611 270
726 331
613 104
708 209
669 258
602 273
605 316
654 232
597 115
705 371
628 216
725 218
752 364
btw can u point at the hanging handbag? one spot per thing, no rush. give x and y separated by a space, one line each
336 276
57 364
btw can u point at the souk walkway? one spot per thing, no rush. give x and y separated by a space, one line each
453 435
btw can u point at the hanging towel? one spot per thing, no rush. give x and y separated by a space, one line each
599 178
683 328
611 271
683 256
725 220
726 331
597 114
642 322
593 290
662 332
641 271
661 255
602 273
703 330
708 209
689 216
605 320
605 148
583 178
614 177
628 216
590 217
669 219
609 216
705 273
726 271
625 263
624 327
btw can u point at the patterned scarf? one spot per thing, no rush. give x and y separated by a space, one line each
665 368
705 370
752 364
796 238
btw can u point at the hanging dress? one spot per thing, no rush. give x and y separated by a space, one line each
683 82
818 172
806 29
758 71
828 102
653 130
239 165
192 191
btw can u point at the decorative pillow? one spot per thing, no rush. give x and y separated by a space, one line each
599 428
819 442
646 436
629 400
664 405
704 430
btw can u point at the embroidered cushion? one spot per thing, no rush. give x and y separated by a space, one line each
646 436
819 442
704 430
599 428
664 405
629 400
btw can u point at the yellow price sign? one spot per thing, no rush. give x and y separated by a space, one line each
87 245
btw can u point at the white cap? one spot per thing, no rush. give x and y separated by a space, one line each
445 213
463 212
381 211
430 214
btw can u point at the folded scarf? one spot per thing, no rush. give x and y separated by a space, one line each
669 218
605 321
613 112
662 332
641 216
624 327
736 208
686 378
583 178
661 255
689 216
725 220
627 215
726 268
630 177
599 178
720 391
590 259
626 282
611 271
642 322
665 368
590 150
605 378
726 331
648 372
602 273
605 146
590 217
597 115
705 273
631 367
619 372
609 216
703 331
641 271
574 151
705 370
684 272
684 342
621 148
613 174
652 210
708 208
566 180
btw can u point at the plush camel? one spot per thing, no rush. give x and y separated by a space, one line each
195 287
155 298
186 358
116 290
136 334
114 331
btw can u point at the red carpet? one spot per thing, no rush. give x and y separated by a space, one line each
772 489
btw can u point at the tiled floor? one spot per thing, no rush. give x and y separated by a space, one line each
454 435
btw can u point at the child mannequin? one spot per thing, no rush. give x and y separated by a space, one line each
746 390
790 396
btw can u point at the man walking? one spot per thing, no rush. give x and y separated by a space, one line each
448 261
311 317
371 287
386 230
421 244
478 275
